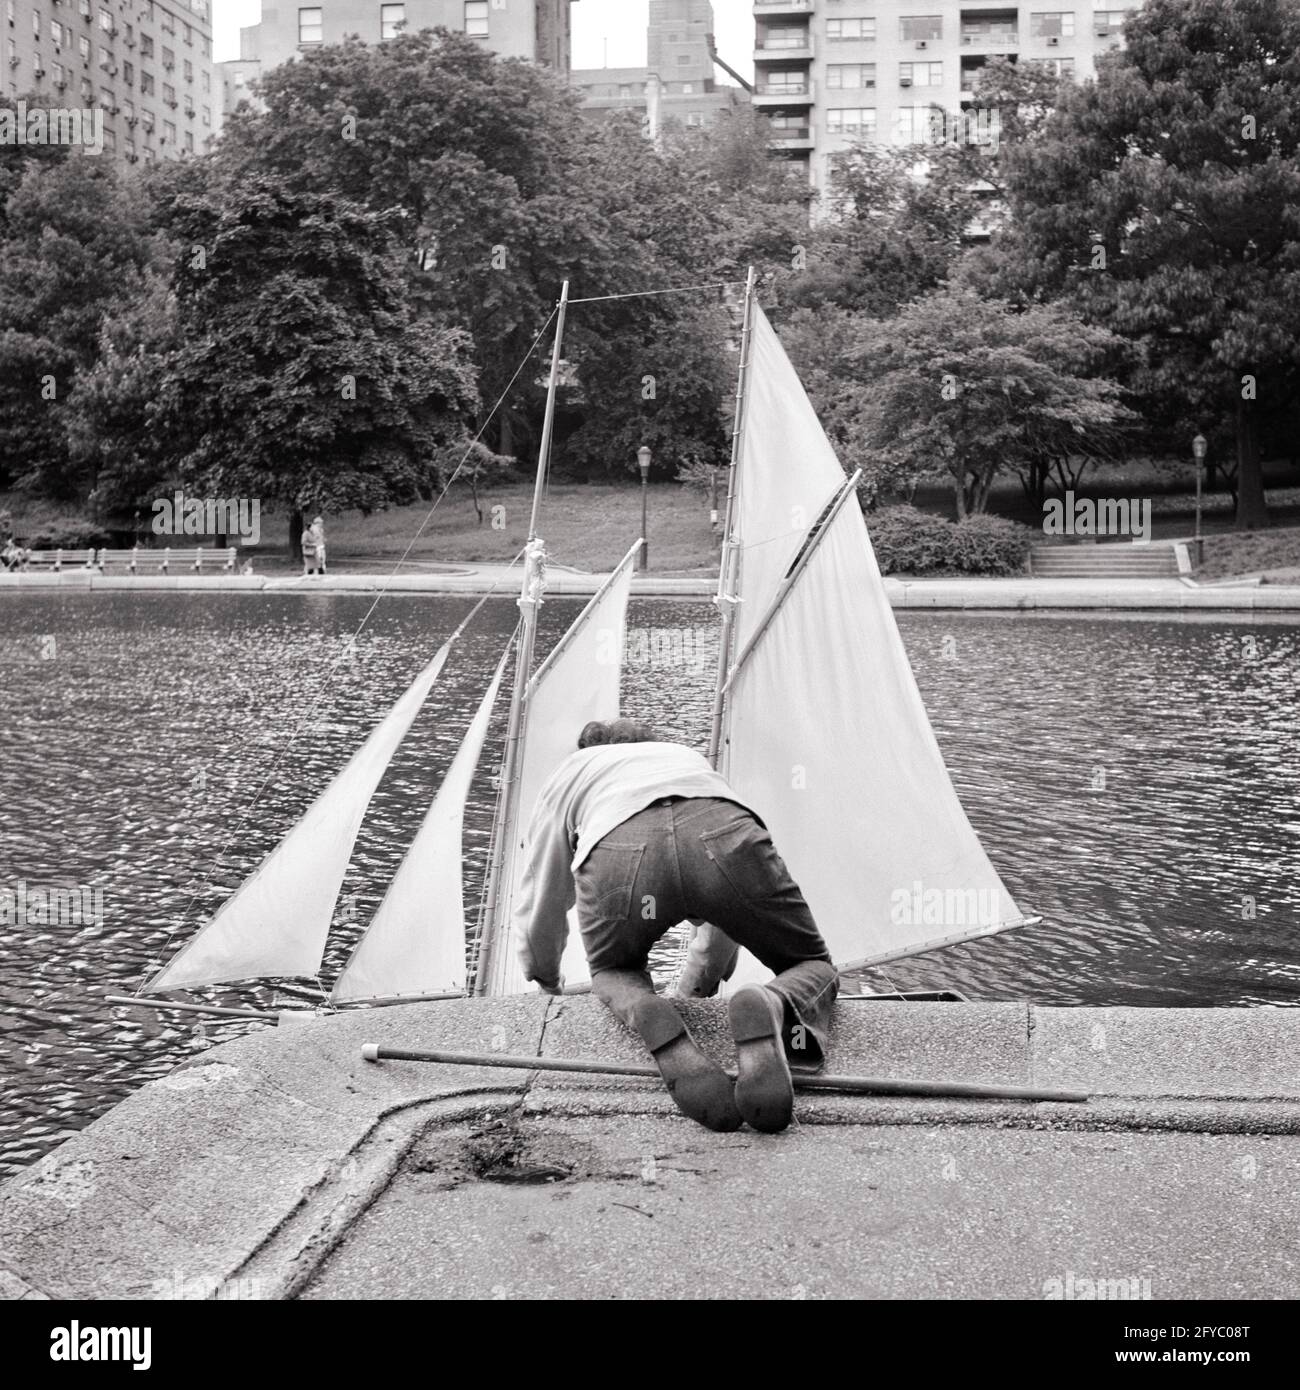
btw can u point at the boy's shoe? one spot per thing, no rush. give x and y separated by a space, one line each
764 1089
698 1085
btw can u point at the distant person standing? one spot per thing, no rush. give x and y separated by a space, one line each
318 528
313 548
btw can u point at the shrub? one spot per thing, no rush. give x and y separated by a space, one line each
69 534
910 541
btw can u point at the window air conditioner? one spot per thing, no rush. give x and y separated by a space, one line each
904 81
1052 42
922 43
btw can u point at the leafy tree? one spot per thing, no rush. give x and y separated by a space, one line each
75 248
960 387
302 375
1161 200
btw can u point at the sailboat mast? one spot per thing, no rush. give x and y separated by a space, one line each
729 566
491 931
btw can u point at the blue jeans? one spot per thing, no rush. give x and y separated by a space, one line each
703 858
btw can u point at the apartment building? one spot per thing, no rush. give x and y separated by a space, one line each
677 83
538 30
144 65
830 73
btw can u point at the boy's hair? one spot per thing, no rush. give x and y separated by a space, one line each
616 731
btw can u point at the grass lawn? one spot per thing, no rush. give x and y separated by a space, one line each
1274 555
587 526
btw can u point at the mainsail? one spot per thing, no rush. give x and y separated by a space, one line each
824 730
578 682
415 944
278 921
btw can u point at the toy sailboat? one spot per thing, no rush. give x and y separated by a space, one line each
817 722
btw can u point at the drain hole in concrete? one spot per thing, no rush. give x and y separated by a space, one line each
502 1153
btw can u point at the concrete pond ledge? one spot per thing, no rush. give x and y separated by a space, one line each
255 1160
1015 594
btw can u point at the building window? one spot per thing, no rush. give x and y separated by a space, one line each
1107 22
695 118
310 26
786 36
128 73
56 69
921 26
391 19
920 74
851 120
146 46
147 118
169 93
36 23
990 31
169 57
687 89
83 47
106 97
683 59
56 31
841 75
919 125
861 29
187 34
167 24
1052 25
189 143
189 71
169 132
476 18
83 8
206 115
146 84
786 82
1058 67
106 21
128 110
87 89
207 80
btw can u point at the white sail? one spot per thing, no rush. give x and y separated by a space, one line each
415 944
825 731
786 474
578 682
277 922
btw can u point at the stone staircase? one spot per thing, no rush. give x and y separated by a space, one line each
1109 560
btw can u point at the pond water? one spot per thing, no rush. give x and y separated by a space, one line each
1134 780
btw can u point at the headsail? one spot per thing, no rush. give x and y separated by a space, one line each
825 730
415 944
578 682
277 922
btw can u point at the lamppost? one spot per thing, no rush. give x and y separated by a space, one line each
643 462
1198 453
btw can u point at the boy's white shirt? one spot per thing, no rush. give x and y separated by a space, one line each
588 795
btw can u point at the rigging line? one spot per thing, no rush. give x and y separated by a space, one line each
648 294
266 781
